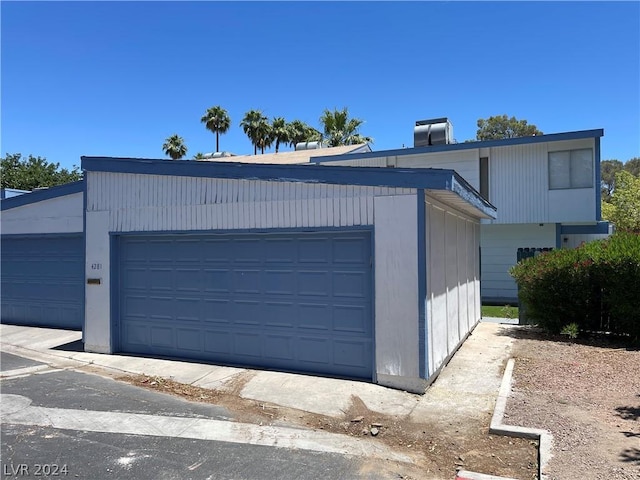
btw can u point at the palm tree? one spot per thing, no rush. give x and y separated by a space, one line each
339 129
279 131
301 132
174 147
217 121
256 127
199 156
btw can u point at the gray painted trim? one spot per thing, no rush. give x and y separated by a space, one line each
453 147
367 228
41 195
423 357
598 228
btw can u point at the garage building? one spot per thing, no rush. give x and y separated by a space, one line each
365 273
42 255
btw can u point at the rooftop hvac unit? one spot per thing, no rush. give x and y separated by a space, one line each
437 131
308 145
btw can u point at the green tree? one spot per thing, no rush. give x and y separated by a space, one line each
608 171
501 126
301 132
624 209
256 126
199 156
34 172
174 147
633 166
339 129
279 131
217 121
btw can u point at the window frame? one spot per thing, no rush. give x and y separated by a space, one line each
568 165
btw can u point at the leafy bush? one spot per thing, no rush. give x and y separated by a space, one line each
596 286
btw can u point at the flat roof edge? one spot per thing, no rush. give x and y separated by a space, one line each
453 147
42 195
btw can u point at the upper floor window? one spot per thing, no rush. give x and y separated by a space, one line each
571 169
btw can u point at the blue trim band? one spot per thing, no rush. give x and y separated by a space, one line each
598 180
362 228
599 228
41 195
452 147
422 286
427 178
558 235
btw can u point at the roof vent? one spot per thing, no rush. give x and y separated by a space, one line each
308 146
437 131
218 155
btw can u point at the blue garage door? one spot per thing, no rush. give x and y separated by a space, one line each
296 302
43 280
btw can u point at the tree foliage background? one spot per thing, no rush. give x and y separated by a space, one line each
33 172
501 126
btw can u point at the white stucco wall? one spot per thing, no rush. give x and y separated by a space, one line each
55 215
396 292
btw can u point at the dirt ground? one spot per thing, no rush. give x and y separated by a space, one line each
587 394
438 450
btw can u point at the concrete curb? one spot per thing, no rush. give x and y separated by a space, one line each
498 428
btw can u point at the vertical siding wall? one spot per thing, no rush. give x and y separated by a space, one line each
158 203
453 283
500 244
55 215
464 162
519 186
119 202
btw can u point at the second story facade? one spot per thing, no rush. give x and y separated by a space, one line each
551 178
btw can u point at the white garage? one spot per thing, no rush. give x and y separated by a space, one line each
360 273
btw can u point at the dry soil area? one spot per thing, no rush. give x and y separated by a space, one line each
438 450
587 394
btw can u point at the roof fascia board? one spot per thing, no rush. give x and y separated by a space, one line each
42 195
426 178
454 147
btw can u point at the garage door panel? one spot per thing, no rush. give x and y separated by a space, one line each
283 301
279 251
350 354
247 281
313 316
350 318
314 283
279 347
247 344
314 251
162 336
350 284
279 314
315 350
42 280
217 280
189 339
280 282
217 342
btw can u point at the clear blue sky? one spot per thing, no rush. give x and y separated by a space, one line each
118 78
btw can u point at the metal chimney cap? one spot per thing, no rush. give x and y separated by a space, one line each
432 121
